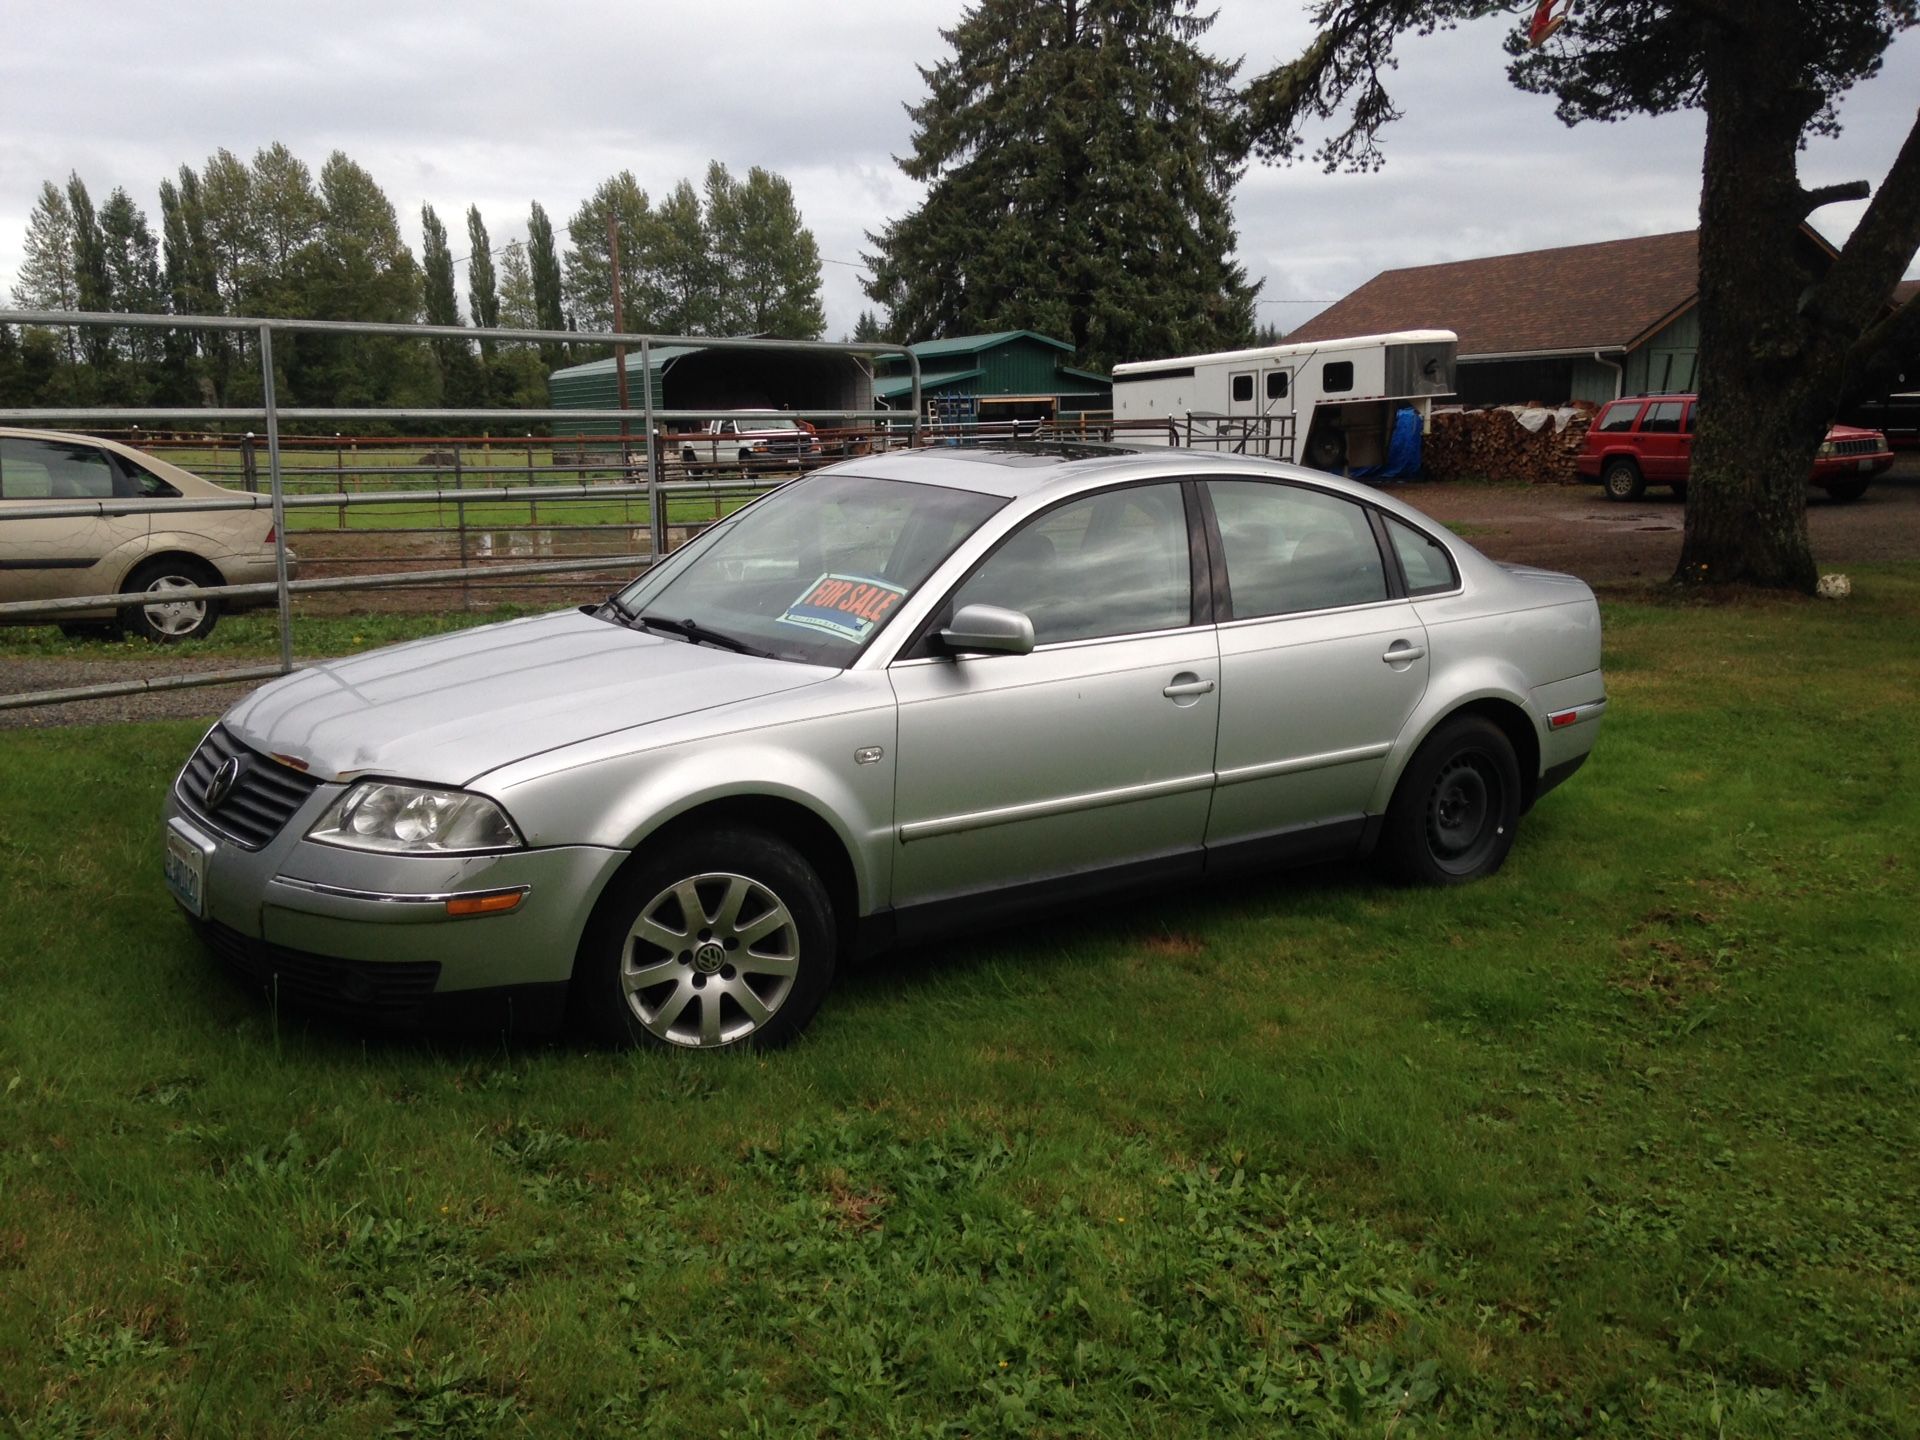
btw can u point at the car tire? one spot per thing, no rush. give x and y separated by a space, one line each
1622 480
670 963
1844 490
1455 811
168 623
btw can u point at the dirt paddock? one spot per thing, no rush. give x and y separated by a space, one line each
1615 547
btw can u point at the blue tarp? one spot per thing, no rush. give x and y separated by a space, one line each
1403 449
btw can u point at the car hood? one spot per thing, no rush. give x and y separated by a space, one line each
1853 432
452 707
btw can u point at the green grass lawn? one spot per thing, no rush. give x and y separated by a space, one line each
1621 1142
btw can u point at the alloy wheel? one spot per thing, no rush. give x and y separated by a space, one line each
709 960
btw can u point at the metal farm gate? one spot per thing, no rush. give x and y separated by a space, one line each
650 485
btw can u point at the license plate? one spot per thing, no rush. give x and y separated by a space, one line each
186 867
1866 465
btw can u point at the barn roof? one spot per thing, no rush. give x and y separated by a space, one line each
1577 298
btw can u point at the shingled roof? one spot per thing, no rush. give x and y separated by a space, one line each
1571 300
1905 291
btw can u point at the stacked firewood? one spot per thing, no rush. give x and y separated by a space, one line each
1499 445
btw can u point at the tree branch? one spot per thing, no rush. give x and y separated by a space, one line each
1812 200
1878 252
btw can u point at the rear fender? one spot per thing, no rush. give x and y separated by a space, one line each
1471 681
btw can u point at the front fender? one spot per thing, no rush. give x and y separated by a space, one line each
615 793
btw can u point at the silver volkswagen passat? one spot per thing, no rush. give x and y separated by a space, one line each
901 695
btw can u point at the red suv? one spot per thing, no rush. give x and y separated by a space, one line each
1648 440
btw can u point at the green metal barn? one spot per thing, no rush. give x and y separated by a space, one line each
818 384
996 373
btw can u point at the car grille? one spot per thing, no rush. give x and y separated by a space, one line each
394 992
1865 445
263 797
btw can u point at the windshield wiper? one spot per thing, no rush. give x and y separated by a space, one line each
699 634
620 608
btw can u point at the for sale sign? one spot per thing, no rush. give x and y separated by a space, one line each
850 606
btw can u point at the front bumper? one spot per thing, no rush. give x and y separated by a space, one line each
1828 468
355 931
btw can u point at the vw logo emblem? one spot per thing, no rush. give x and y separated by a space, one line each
222 783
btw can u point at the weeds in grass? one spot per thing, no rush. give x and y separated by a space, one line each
1619 1143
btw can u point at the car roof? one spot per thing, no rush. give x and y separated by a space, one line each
1016 469
1006 468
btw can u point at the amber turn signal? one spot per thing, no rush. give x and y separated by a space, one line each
497 902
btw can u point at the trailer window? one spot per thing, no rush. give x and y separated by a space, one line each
1276 384
1243 388
1336 376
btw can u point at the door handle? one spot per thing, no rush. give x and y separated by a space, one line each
1179 689
1401 653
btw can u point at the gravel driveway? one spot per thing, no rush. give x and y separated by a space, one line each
1574 528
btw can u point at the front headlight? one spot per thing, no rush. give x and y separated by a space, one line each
413 820
1827 447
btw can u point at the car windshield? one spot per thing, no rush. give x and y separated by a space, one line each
811 572
767 422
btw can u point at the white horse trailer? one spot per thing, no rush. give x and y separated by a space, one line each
1329 403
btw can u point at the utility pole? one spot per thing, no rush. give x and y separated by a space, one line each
619 326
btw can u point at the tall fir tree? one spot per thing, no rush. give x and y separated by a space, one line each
46 280
1080 160
549 304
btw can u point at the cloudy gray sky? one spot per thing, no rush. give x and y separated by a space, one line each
496 104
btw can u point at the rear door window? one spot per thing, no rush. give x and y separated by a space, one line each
1663 418
1290 549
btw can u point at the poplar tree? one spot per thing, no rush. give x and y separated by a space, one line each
1080 159
93 286
769 261
517 308
483 293
454 358
589 267
549 306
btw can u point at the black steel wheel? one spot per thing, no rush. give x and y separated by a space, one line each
712 940
1455 811
1622 480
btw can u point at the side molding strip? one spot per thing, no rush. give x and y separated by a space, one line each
1040 809
1126 794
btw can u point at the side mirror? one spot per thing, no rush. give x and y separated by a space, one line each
990 630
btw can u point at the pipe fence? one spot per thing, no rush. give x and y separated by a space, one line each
652 485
